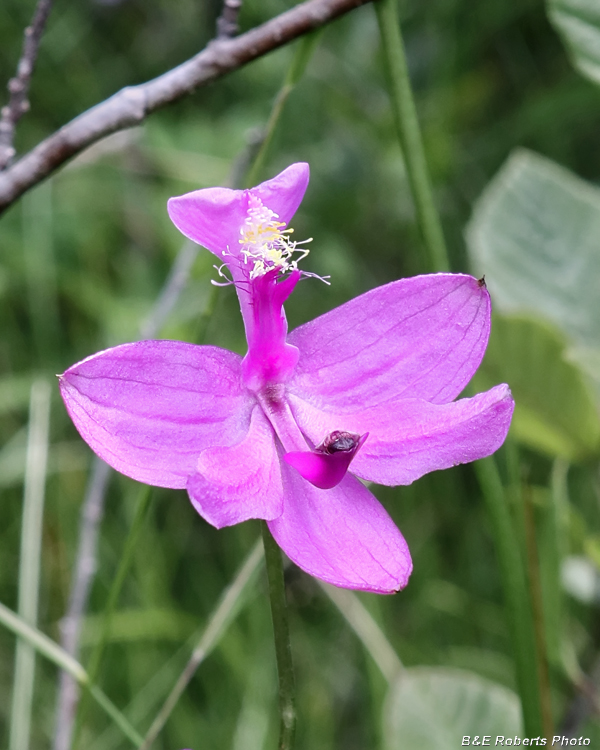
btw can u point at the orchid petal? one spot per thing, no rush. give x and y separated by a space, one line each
149 408
239 482
212 217
410 437
283 193
421 337
343 536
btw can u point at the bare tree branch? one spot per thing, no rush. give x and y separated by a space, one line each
18 86
92 512
227 25
133 104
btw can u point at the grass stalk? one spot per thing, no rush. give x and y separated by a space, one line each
537 606
113 596
217 624
304 49
409 134
516 594
54 653
30 559
367 630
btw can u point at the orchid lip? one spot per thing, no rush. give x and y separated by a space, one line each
327 464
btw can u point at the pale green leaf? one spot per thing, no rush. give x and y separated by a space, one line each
578 23
555 410
434 708
535 234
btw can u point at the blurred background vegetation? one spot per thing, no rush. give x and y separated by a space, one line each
84 256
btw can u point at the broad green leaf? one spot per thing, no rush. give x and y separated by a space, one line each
578 22
555 411
588 359
535 234
434 708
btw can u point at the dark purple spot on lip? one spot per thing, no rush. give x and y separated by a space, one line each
339 442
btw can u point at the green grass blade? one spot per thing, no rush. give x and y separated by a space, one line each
113 595
409 134
29 566
54 653
217 624
366 628
519 616
302 54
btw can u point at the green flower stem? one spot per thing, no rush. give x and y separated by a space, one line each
302 54
113 596
283 651
62 659
409 134
516 594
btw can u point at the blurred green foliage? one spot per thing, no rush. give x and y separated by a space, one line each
83 257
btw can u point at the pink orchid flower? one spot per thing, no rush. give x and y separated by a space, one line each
367 386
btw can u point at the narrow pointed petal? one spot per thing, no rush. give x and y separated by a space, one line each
149 409
421 337
411 437
343 536
283 194
212 217
240 482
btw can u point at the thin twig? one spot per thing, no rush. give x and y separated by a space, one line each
133 104
227 22
167 299
18 86
93 666
92 512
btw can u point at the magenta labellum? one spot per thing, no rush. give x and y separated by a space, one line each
284 434
326 465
